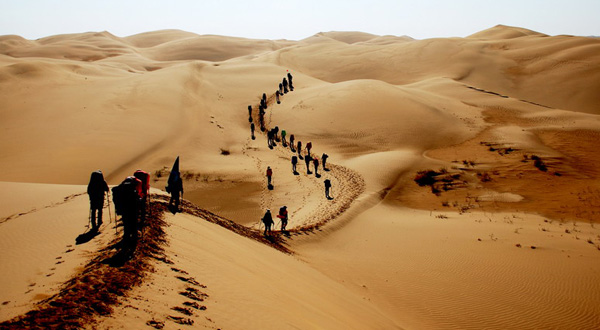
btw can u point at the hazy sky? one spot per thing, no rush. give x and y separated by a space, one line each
293 19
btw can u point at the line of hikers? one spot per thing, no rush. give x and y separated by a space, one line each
131 200
273 138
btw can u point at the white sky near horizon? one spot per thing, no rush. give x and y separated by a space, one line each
294 19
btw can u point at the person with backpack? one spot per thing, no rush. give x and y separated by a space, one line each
250 113
294 162
176 190
283 215
261 118
308 160
324 161
267 219
289 75
285 86
252 131
283 134
327 187
316 162
96 189
269 175
264 100
299 148
280 88
308 147
277 96
292 137
144 177
126 198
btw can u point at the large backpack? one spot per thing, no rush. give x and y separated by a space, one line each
145 178
125 196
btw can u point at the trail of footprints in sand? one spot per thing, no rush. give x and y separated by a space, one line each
193 297
346 183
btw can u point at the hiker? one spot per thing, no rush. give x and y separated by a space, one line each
283 215
308 147
292 143
280 88
261 118
327 187
269 175
277 96
252 131
96 189
144 177
299 148
308 160
270 141
267 219
249 113
316 162
264 100
289 75
283 134
294 162
263 103
127 200
285 90
175 186
176 190
324 160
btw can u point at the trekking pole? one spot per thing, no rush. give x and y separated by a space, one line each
109 213
89 219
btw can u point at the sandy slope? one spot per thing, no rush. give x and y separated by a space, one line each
392 254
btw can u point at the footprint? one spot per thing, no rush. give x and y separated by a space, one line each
183 310
156 324
179 270
181 320
69 250
195 305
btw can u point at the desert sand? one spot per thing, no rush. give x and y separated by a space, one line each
464 181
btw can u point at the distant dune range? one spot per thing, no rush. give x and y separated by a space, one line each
465 176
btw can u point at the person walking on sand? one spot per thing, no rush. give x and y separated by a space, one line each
261 118
176 190
285 86
327 188
289 75
308 147
269 175
316 162
276 134
299 148
294 163
263 101
324 161
252 131
280 88
267 219
96 190
127 200
277 96
144 177
270 138
283 134
283 215
250 113
292 143
308 161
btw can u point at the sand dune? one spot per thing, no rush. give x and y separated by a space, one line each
499 128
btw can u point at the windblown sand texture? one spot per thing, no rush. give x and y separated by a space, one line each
500 128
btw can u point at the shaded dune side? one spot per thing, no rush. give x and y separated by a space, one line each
108 276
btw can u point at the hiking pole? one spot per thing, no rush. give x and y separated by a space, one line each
89 219
109 214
